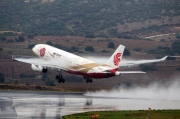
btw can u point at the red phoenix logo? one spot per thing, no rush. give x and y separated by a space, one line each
42 52
117 59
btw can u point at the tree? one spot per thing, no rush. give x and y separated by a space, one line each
74 49
1 49
111 45
49 43
10 41
2 38
126 52
176 47
178 36
30 36
89 48
31 46
20 39
2 78
162 40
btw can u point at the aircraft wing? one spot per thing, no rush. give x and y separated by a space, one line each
117 73
130 63
41 62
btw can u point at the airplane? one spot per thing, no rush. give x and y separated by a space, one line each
51 57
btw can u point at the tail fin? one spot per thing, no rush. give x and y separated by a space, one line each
115 59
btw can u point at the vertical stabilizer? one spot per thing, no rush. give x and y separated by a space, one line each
115 59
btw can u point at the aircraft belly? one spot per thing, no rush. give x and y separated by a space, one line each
92 74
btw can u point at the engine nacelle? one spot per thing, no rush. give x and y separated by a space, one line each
38 68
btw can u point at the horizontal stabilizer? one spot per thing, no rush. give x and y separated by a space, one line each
129 72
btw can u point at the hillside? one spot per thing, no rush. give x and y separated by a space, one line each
87 17
72 25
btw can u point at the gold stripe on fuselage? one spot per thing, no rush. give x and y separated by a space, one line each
87 67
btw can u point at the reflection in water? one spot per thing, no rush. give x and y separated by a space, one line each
44 105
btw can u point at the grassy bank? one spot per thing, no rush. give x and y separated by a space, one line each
140 114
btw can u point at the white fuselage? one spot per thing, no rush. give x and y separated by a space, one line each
72 63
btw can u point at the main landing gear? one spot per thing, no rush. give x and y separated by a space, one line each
88 80
59 78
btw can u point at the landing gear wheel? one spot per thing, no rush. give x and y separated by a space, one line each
63 80
90 80
59 80
57 77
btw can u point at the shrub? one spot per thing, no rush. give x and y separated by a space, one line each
74 49
49 43
1 49
176 47
2 78
162 40
31 46
137 49
111 45
104 51
126 52
20 39
30 36
10 41
89 49
178 36
2 38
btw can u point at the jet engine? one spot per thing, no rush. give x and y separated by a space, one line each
38 68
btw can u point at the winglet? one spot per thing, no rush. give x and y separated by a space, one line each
13 58
164 58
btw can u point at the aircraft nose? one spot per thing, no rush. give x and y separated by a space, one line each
35 49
